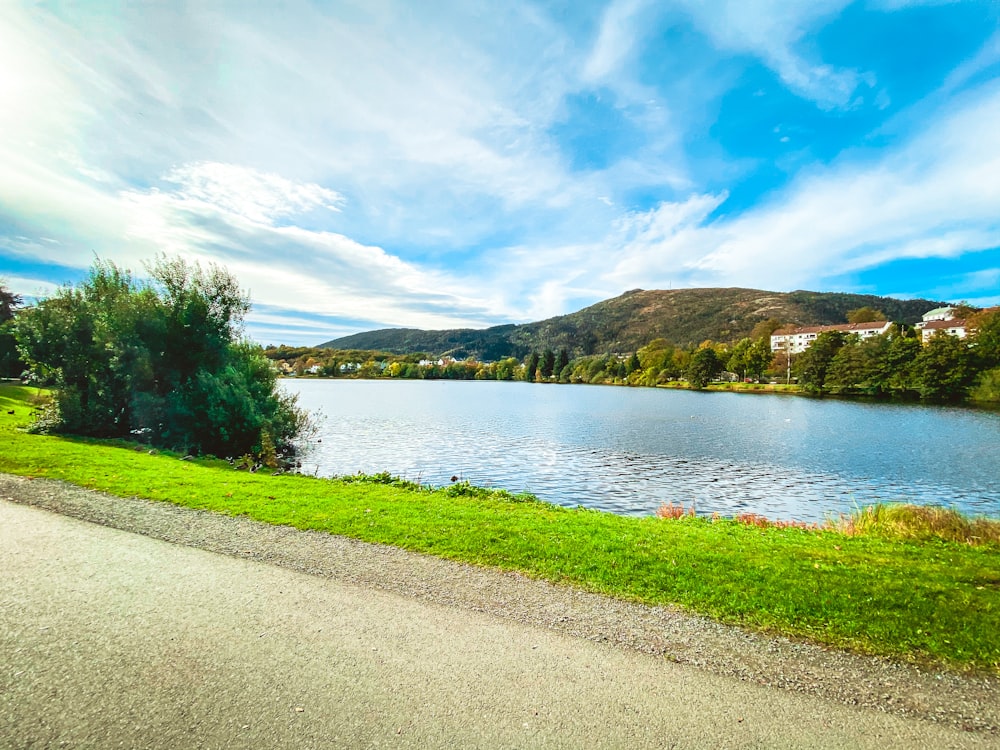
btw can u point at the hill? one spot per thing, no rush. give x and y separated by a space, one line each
623 324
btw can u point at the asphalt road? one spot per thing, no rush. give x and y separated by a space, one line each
112 639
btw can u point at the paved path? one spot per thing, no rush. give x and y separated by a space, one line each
111 639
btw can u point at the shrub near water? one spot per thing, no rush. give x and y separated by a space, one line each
161 362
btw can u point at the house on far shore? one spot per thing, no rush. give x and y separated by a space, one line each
938 313
951 326
797 340
941 319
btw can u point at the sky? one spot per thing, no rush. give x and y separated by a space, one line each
374 164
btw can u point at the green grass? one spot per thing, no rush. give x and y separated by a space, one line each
935 602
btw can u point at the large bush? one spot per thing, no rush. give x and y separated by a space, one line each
10 364
161 361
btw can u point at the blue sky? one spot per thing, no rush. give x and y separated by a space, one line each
379 164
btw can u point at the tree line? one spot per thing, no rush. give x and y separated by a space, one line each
896 364
899 364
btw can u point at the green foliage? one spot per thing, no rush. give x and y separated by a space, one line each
812 365
465 489
764 329
633 364
562 360
987 388
943 370
11 365
531 367
9 303
985 337
160 361
705 365
858 367
894 371
864 315
749 358
546 364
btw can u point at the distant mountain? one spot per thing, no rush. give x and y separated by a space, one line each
623 324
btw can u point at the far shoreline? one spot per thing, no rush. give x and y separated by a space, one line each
759 389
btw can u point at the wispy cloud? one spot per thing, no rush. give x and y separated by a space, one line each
615 43
936 196
774 31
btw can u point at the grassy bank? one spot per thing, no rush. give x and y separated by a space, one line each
930 601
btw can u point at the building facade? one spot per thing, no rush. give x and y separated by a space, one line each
797 340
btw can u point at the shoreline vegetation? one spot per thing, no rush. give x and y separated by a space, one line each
895 366
886 583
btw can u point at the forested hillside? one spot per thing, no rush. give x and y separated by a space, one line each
682 317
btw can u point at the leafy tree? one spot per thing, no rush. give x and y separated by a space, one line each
737 361
705 365
162 361
758 357
9 303
633 364
895 368
943 371
11 365
811 366
855 366
677 365
963 310
848 369
547 364
562 359
865 315
987 387
507 368
531 367
764 329
985 337
657 360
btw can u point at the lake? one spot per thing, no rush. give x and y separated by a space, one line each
628 450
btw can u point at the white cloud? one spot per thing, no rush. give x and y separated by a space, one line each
30 288
248 193
620 26
285 265
774 30
937 196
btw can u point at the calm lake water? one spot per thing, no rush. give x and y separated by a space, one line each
627 450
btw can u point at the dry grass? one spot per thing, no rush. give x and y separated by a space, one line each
919 522
669 510
889 521
761 522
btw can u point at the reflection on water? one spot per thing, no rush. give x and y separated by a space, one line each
629 450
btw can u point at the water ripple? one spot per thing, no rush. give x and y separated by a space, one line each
630 450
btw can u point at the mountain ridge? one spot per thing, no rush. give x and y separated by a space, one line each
684 317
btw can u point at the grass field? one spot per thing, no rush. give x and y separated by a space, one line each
936 602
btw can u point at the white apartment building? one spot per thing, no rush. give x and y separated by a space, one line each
797 340
938 313
950 326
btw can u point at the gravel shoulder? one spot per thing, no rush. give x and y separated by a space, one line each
970 703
